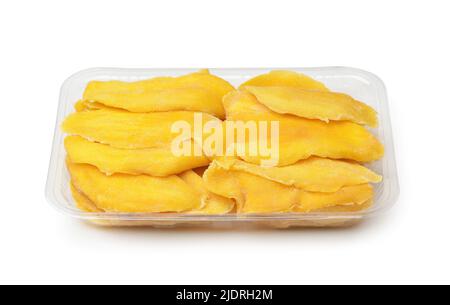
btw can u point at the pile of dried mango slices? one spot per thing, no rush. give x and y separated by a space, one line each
120 159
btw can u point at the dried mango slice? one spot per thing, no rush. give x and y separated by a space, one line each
82 202
319 105
133 130
205 79
133 194
284 78
301 138
200 91
202 78
254 194
212 204
313 174
190 99
116 86
158 162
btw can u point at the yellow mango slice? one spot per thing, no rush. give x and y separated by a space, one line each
313 174
82 202
205 79
319 105
131 130
202 78
301 138
284 78
116 86
158 162
212 204
200 91
254 194
133 194
190 99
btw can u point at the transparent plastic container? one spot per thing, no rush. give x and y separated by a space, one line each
359 84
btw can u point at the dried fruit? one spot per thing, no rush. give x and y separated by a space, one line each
121 142
133 194
325 106
313 174
200 91
254 194
211 203
130 130
158 162
82 202
301 138
284 78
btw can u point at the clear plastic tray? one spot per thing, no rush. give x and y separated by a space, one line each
360 84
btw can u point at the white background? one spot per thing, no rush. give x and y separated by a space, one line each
406 43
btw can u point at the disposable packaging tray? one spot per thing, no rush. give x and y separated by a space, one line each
359 84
